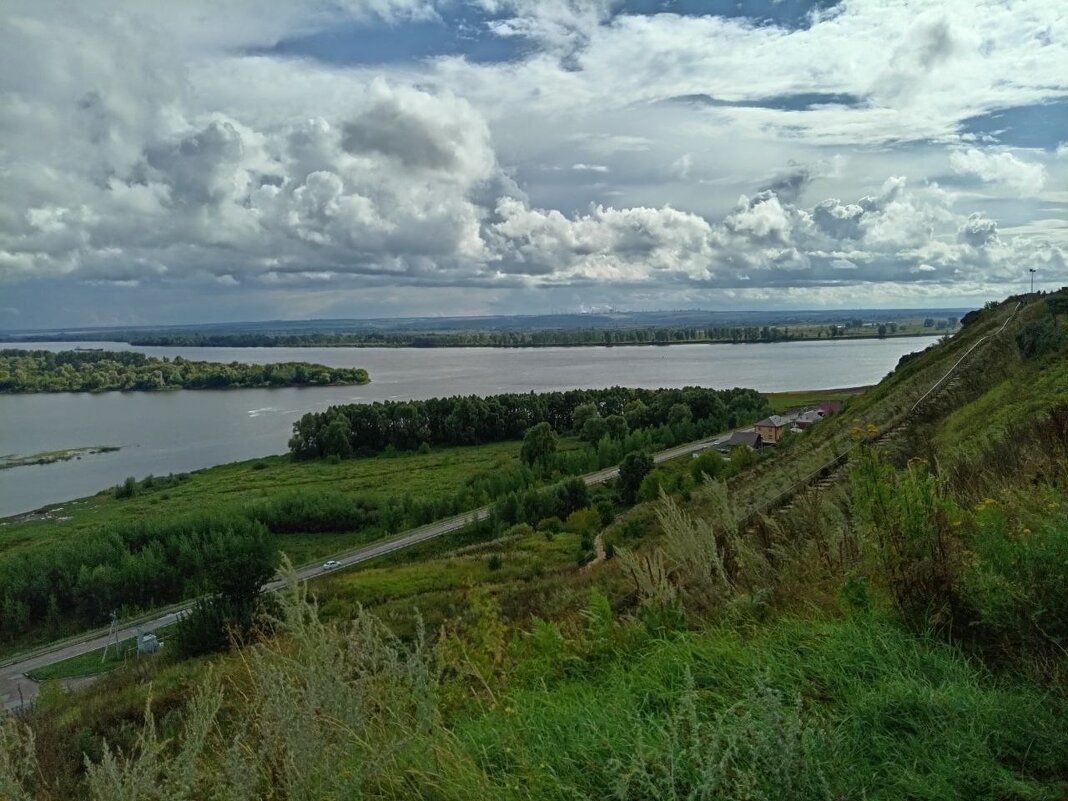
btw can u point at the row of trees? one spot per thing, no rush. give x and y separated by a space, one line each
77 584
365 429
563 337
104 371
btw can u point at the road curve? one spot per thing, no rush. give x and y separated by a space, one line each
16 689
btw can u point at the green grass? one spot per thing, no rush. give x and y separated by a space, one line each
786 401
94 663
90 664
898 716
230 487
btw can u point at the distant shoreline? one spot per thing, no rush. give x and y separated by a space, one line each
22 344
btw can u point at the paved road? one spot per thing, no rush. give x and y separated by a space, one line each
16 689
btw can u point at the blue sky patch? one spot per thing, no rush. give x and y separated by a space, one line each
1043 125
800 101
460 32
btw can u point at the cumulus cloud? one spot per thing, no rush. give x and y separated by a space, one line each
1001 168
978 230
149 146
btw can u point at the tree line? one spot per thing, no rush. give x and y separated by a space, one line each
105 371
132 566
519 338
366 429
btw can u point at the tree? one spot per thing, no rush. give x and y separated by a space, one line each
593 429
539 445
582 413
336 438
617 426
634 467
882 331
742 457
709 463
636 413
679 414
239 568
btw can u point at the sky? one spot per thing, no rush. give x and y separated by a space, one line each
238 160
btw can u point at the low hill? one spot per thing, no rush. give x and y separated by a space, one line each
876 610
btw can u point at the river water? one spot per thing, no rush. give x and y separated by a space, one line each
176 432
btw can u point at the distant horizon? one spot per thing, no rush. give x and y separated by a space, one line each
868 312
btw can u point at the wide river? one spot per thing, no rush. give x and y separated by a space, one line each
175 432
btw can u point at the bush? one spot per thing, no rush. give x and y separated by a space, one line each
315 512
127 489
1015 582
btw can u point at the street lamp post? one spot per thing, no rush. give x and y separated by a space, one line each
1032 270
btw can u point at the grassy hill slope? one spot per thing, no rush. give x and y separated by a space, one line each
899 630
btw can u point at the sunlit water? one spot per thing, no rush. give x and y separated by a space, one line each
169 432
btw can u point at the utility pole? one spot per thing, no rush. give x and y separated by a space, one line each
113 637
1032 270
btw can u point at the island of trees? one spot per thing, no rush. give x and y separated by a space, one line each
104 371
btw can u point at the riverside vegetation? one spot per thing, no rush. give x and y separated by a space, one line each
901 633
107 371
143 548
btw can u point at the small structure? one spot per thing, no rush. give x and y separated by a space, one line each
747 439
772 429
147 643
830 407
808 418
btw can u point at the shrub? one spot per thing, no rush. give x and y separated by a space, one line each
127 489
760 750
906 521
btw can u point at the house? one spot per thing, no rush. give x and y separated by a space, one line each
830 407
772 429
747 439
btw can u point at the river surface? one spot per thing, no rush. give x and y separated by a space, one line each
165 432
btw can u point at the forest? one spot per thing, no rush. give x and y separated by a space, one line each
107 371
557 337
364 429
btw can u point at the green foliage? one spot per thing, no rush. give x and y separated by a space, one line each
632 471
311 511
127 489
759 750
404 425
1016 576
593 430
1041 337
539 445
709 463
129 567
906 521
104 371
652 485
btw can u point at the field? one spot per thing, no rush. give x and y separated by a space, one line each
787 401
231 487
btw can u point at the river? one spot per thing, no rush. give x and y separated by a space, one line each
168 432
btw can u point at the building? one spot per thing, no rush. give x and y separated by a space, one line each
808 418
747 439
830 407
772 429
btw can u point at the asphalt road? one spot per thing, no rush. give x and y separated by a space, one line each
17 689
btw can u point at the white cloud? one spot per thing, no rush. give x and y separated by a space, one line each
142 143
1001 168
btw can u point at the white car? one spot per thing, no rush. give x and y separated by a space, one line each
333 564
